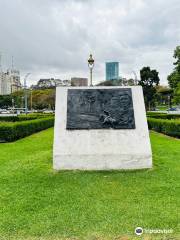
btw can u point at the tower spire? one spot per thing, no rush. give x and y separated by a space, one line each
12 66
0 62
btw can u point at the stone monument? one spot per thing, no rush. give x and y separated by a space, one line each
101 128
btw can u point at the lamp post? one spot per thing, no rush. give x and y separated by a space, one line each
135 80
31 98
13 105
90 65
169 101
25 92
22 102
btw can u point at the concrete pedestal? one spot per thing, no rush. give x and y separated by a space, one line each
101 149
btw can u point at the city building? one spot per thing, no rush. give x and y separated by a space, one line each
9 81
51 83
14 76
112 71
63 83
79 82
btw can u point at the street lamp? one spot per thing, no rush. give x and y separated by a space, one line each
25 93
13 104
135 80
31 98
169 101
90 65
22 102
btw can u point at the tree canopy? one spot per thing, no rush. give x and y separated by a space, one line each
177 57
37 99
149 80
174 77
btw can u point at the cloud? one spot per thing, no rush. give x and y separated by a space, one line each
54 37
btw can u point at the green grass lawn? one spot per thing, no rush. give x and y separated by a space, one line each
39 203
162 107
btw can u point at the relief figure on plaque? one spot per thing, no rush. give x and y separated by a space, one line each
117 110
100 108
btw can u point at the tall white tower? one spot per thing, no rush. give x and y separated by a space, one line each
10 80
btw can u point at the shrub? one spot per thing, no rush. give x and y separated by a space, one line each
163 115
12 131
24 117
168 127
16 118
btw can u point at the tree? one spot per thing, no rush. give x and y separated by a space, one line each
177 94
111 83
43 99
118 82
37 99
149 80
164 95
174 77
177 57
5 101
18 98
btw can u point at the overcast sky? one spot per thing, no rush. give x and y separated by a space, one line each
53 38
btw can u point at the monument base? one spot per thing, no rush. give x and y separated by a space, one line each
101 149
101 162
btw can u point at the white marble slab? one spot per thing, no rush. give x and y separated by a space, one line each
102 149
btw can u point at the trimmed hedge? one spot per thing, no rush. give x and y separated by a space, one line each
10 132
24 117
17 118
168 127
163 115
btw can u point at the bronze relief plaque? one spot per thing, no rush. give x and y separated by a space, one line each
100 109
